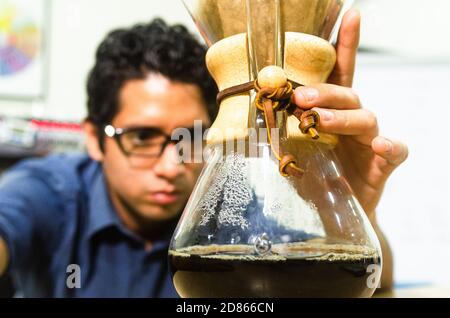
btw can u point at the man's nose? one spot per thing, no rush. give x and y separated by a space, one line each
169 165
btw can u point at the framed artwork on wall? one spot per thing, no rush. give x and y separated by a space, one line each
23 49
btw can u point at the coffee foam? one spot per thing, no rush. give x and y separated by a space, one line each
281 252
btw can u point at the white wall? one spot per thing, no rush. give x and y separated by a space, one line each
76 29
413 27
412 101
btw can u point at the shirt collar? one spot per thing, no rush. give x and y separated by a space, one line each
102 214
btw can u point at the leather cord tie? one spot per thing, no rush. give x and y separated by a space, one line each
269 101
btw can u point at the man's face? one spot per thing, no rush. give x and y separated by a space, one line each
159 191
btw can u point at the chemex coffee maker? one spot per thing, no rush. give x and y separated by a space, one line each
271 215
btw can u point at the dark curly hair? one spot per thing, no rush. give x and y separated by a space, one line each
132 53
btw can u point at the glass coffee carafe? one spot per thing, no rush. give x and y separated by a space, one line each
271 215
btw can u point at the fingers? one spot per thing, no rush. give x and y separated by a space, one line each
346 49
357 122
393 152
326 96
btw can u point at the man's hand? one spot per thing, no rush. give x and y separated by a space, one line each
367 158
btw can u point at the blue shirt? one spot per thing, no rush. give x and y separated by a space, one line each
56 212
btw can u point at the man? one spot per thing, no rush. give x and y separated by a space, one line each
109 217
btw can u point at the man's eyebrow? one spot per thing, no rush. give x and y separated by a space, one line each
203 127
137 127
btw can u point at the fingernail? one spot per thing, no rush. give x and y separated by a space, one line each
387 145
309 93
325 115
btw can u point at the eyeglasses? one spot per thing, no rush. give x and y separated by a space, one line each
145 144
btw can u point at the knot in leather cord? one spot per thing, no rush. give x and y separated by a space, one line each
281 97
269 100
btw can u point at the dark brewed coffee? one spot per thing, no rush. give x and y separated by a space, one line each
339 273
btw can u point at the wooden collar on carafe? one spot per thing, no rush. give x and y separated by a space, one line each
276 92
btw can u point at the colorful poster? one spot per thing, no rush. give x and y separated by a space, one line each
22 51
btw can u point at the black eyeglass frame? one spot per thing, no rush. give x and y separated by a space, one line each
117 133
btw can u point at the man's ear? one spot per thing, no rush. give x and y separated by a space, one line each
92 141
